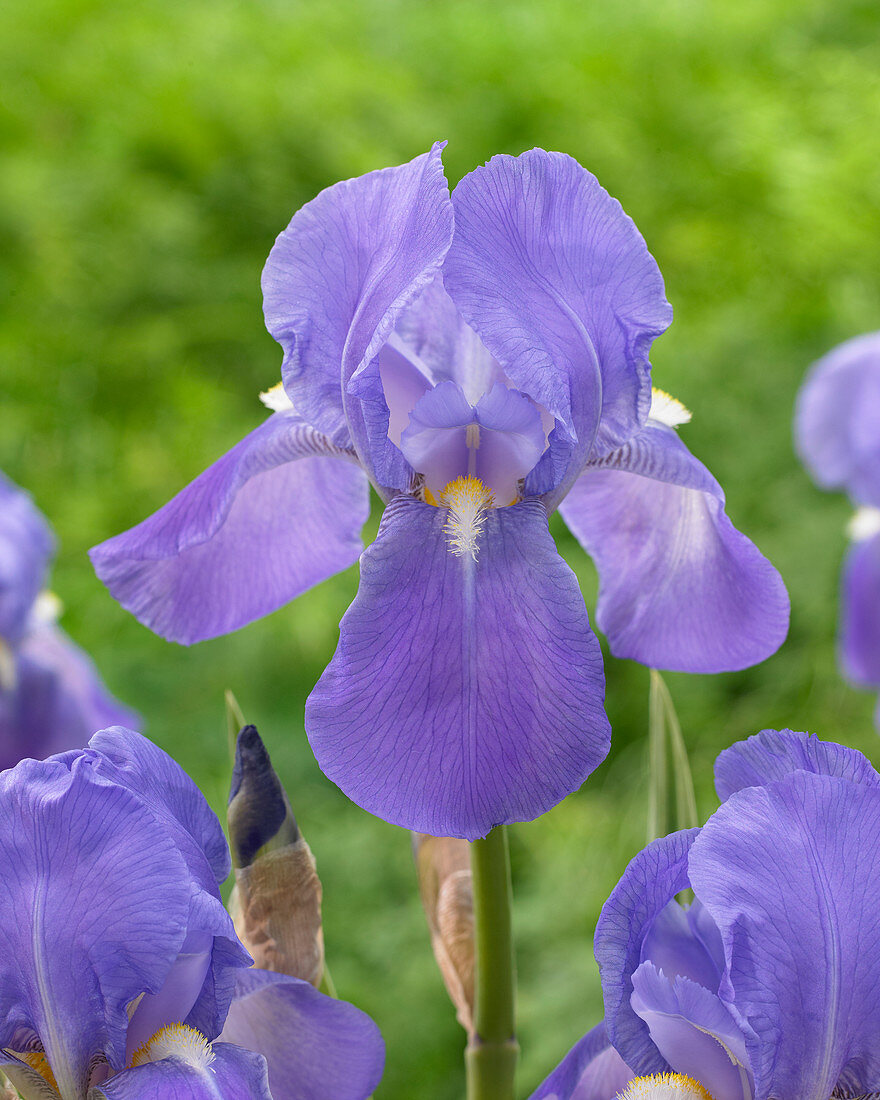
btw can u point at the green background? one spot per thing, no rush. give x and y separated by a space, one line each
151 153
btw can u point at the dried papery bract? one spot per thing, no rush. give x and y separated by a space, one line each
446 886
276 901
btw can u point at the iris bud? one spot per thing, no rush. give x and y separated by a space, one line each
276 901
445 883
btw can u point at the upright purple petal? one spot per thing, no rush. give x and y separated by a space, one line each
79 857
837 417
680 587
26 545
789 873
860 611
592 1070
227 1072
463 693
280 512
649 883
771 755
675 945
317 1048
338 277
558 283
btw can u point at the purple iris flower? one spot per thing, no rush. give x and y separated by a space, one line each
481 359
120 972
766 986
51 697
837 431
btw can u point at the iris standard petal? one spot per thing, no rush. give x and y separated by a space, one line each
26 545
592 1070
860 611
78 857
277 514
789 873
772 754
317 1048
227 1072
673 946
649 883
838 410
339 275
463 694
680 588
694 1031
558 283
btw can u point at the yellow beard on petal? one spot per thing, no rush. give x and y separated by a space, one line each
468 500
175 1041
37 1061
665 1086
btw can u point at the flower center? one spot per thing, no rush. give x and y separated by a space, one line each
468 500
665 1086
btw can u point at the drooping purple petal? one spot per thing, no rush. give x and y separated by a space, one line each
860 611
694 1032
78 857
838 410
673 945
789 873
338 277
26 545
277 514
558 283
592 1070
463 693
680 587
317 1048
772 754
227 1073
648 884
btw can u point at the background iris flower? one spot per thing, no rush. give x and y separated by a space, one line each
480 359
120 972
837 431
51 697
766 986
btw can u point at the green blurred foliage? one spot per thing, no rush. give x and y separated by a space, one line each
151 152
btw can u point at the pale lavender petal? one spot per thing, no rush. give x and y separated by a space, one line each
673 945
838 411
648 884
860 611
680 587
280 512
511 440
79 857
557 281
231 1074
772 754
317 1048
694 1032
403 383
26 545
435 441
338 277
592 1070
463 693
790 875
445 344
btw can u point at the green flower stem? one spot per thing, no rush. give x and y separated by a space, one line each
663 727
492 1051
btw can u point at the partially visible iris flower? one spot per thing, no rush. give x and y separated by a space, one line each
121 976
51 697
837 431
481 359
766 986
